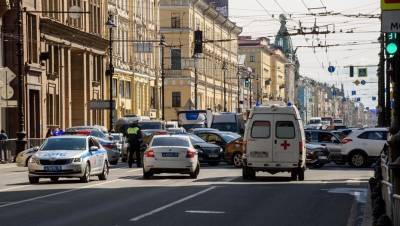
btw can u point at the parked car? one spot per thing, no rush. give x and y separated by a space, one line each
362 147
152 125
121 143
325 138
23 157
171 124
200 130
147 135
208 153
69 156
170 154
274 141
231 143
317 155
104 139
228 121
180 130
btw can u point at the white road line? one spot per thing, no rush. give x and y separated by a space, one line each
172 204
204 212
12 188
55 194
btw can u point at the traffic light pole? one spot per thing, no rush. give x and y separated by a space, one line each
162 45
224 68
381 83
196 80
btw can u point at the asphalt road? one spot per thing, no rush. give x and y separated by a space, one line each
332 195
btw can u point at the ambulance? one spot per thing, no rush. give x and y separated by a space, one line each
274 141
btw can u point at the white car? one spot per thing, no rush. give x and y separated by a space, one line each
69 156
274 141
171 154
362 147
23 157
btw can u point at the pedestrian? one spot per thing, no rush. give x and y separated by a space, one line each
134 136
49 133
3 138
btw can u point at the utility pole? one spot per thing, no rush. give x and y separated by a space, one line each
388 107
224 67
381 82
162 45
111 26
196 81
21 141
238 92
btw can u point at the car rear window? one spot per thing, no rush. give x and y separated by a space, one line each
65 144
285 130
261 129
170 141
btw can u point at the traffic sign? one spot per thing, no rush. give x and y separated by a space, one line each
101 104
331 69
356 82
363 82
353 93
390 4
391 21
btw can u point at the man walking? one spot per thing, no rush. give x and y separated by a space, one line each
3 151
134 135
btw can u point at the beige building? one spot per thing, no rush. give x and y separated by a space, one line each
217 63
136 62
268 65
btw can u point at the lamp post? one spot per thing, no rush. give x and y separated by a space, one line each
196 80
21 134
162 45
224 67
111 25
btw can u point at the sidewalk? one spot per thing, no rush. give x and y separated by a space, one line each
367 218
5 165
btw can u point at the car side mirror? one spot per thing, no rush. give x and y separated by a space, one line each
93 148
196 146
36 148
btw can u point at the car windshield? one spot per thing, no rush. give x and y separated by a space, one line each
65 144
315 121
97 134
192 126
150 125
170 141
232 127
195 139
229 137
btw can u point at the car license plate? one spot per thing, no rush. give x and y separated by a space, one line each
170 154
322 157
52 168
259 154
213 155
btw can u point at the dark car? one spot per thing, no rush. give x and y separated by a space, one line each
317 155
231 143
208 153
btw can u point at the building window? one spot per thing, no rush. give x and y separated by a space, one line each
176 99
32 39
176 59
114 89
94 16
128 90
175 20
252 59
121 88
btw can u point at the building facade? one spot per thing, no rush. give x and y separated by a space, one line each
214 71
136 57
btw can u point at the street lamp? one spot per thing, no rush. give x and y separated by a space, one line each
196 80
162 45
111 25
225 68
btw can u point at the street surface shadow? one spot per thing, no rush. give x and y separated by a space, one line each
45 181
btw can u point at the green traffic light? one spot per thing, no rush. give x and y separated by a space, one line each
391 48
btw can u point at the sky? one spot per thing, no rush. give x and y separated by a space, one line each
260 18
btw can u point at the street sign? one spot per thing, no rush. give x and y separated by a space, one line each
101 104
353 93
391 21
331 69
362 72
374 98
363 82
358 99
390 4
356 82
6 76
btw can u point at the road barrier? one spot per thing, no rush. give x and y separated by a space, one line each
8 147
387 196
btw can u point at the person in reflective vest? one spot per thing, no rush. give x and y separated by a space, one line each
134 136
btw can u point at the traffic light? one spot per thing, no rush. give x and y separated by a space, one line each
247 82
392 44
198 42
351 71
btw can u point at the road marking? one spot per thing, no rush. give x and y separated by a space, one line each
204 212
172 204
55 194
7 189
353 182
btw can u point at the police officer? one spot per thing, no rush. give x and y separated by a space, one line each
134 135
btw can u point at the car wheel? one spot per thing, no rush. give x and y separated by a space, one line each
300 174
86 176
358 159
237 160
34 180
104 173
54 179
293 174
196 172
27 161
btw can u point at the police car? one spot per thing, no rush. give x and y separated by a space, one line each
69 156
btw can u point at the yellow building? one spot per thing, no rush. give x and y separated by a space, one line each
268 65
217 63
135 80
